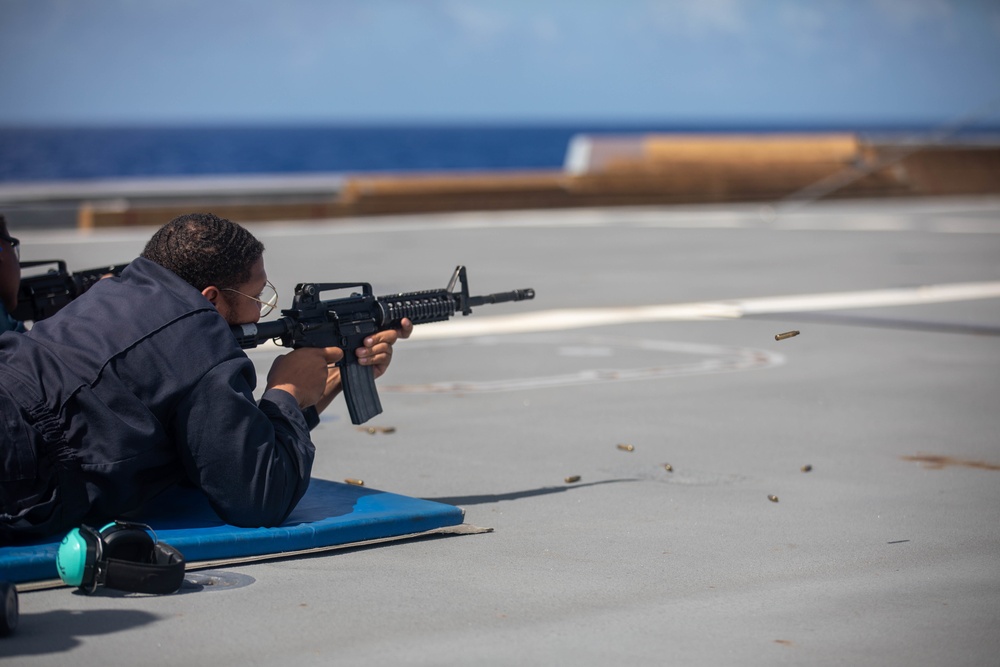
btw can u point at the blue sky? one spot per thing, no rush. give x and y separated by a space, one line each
246 61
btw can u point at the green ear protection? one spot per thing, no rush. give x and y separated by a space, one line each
120 555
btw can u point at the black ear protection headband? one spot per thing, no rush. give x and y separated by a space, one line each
120 555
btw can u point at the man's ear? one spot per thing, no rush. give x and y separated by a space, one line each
213 294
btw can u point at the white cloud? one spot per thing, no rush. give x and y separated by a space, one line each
804 27
911 13
546 29
477 23
995 21
699 17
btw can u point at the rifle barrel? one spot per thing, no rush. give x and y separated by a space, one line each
503 297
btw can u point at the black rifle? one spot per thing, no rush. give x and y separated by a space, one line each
43 295
346 322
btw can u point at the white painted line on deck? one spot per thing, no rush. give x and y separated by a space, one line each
563 319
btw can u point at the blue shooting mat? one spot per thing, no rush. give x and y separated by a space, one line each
330 514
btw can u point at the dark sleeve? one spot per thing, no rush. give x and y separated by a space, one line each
8 323
312 417
252 461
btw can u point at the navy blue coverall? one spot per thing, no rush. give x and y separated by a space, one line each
137 385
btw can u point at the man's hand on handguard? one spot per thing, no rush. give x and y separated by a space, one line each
377 351
303 373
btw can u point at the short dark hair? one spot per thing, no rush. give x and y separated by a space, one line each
205 250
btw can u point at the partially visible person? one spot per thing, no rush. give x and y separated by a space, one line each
139 384
10 278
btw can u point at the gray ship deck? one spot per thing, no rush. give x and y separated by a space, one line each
886 552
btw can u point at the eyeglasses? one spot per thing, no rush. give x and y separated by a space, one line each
267 299
15 244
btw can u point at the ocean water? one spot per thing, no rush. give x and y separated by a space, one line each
65 153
